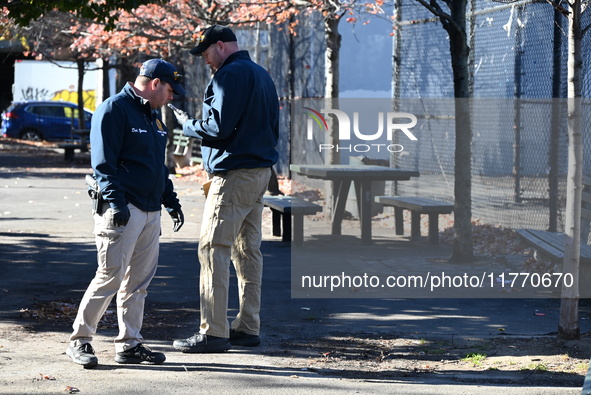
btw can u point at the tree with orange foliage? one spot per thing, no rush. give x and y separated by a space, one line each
50 37
23 12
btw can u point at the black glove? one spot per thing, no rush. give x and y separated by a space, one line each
121 216
177 218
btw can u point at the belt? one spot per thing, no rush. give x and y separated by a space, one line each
222 173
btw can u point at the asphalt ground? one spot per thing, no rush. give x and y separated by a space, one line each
47 254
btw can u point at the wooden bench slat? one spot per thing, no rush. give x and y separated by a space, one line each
291 204
422 205
552 243
540 242
181 144
417 205
283 208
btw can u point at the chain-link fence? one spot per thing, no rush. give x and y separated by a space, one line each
518 52
518 73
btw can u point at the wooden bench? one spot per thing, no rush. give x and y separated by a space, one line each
417 206
181 145
551 244
180 142
283 208
69 150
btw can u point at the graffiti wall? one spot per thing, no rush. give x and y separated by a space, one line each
43 80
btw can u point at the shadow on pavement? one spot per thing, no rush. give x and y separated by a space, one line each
40 266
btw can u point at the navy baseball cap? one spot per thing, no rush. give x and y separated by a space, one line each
212 35
158 68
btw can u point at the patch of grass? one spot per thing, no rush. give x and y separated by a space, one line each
540 367
474 358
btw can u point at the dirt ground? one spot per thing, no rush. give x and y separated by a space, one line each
524 361
540 361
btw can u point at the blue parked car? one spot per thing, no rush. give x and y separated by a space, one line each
42 120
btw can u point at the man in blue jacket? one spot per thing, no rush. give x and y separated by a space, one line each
128 141
239 131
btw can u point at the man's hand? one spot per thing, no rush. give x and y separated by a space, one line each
180 115
178 218
121 216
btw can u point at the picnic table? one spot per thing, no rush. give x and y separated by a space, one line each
361 176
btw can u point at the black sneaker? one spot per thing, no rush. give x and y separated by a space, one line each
82 355
238 338
140 354
200 343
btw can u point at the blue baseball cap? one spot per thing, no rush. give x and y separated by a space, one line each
158 68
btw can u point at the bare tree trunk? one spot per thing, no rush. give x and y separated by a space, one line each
170 123
331 93
81 114
80 63
331 71
463 248
568 327
555 125
396 58
455 25
517 90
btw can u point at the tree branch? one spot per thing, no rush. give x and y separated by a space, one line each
444 17
558 7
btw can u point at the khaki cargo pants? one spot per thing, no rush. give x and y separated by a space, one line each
231 232
127 260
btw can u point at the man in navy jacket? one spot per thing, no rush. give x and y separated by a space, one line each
239 131
128 141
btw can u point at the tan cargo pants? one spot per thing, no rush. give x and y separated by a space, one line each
127 259
231 232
